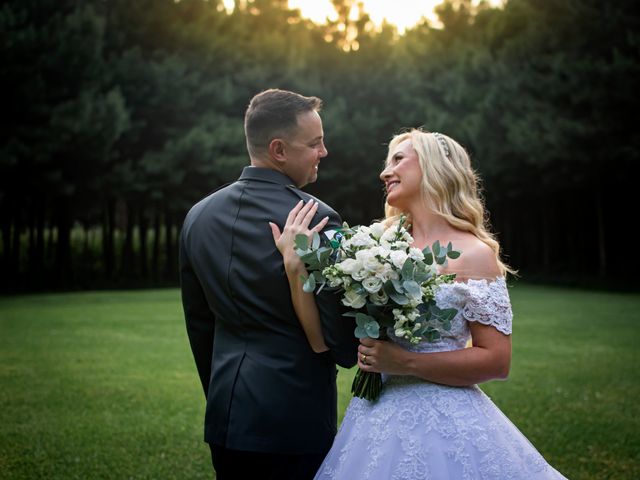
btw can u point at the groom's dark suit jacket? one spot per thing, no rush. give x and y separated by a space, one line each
266 390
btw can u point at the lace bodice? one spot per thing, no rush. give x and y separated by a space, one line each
482 301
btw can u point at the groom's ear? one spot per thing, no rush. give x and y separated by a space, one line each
277 150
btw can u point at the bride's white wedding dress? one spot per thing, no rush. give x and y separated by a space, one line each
421 430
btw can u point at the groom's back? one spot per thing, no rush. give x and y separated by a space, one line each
267 390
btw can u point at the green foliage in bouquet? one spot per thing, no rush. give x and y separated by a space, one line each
387 283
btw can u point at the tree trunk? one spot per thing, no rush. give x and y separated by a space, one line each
39 253
108 231
30 274
155 261
144 228
14 259
6 239
63 247
169 244
5 264
602 251
127 267
545 240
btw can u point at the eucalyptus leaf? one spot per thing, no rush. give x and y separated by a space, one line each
302 242
447 314
453 254
315 241
358 288
412 288
323 255
309 257
399 299
407 269
367 325
389 287
309 284
436 248
360 332
397 286
373 329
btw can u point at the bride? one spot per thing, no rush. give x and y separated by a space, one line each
431 420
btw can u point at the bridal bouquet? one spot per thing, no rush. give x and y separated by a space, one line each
386 282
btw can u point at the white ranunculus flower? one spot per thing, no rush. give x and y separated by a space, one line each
388 235
400 245
398 257
349 266
359 275
416 254
377 229
362 239
353 299
386 273
382 252
372 284
369 260
379 298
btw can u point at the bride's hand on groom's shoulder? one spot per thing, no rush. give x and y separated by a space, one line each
382 357
297 224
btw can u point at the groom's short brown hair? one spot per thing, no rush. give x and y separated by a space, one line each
272 114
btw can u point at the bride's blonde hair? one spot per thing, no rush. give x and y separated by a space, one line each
450 184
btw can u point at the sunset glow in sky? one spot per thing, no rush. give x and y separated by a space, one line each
402 13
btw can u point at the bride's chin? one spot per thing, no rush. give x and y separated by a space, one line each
393 202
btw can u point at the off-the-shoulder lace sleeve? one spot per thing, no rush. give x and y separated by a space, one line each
488 303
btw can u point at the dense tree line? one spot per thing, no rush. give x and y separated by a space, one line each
119 115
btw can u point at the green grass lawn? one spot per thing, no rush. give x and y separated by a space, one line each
102 385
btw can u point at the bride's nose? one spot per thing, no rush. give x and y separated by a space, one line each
385 173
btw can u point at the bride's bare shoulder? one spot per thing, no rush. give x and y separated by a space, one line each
478 260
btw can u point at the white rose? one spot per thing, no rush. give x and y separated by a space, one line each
398 257
349 266
377 229
372 284
353 299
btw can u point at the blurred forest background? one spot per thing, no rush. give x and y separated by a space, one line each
119 115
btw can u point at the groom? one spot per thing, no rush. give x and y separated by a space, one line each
271 401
